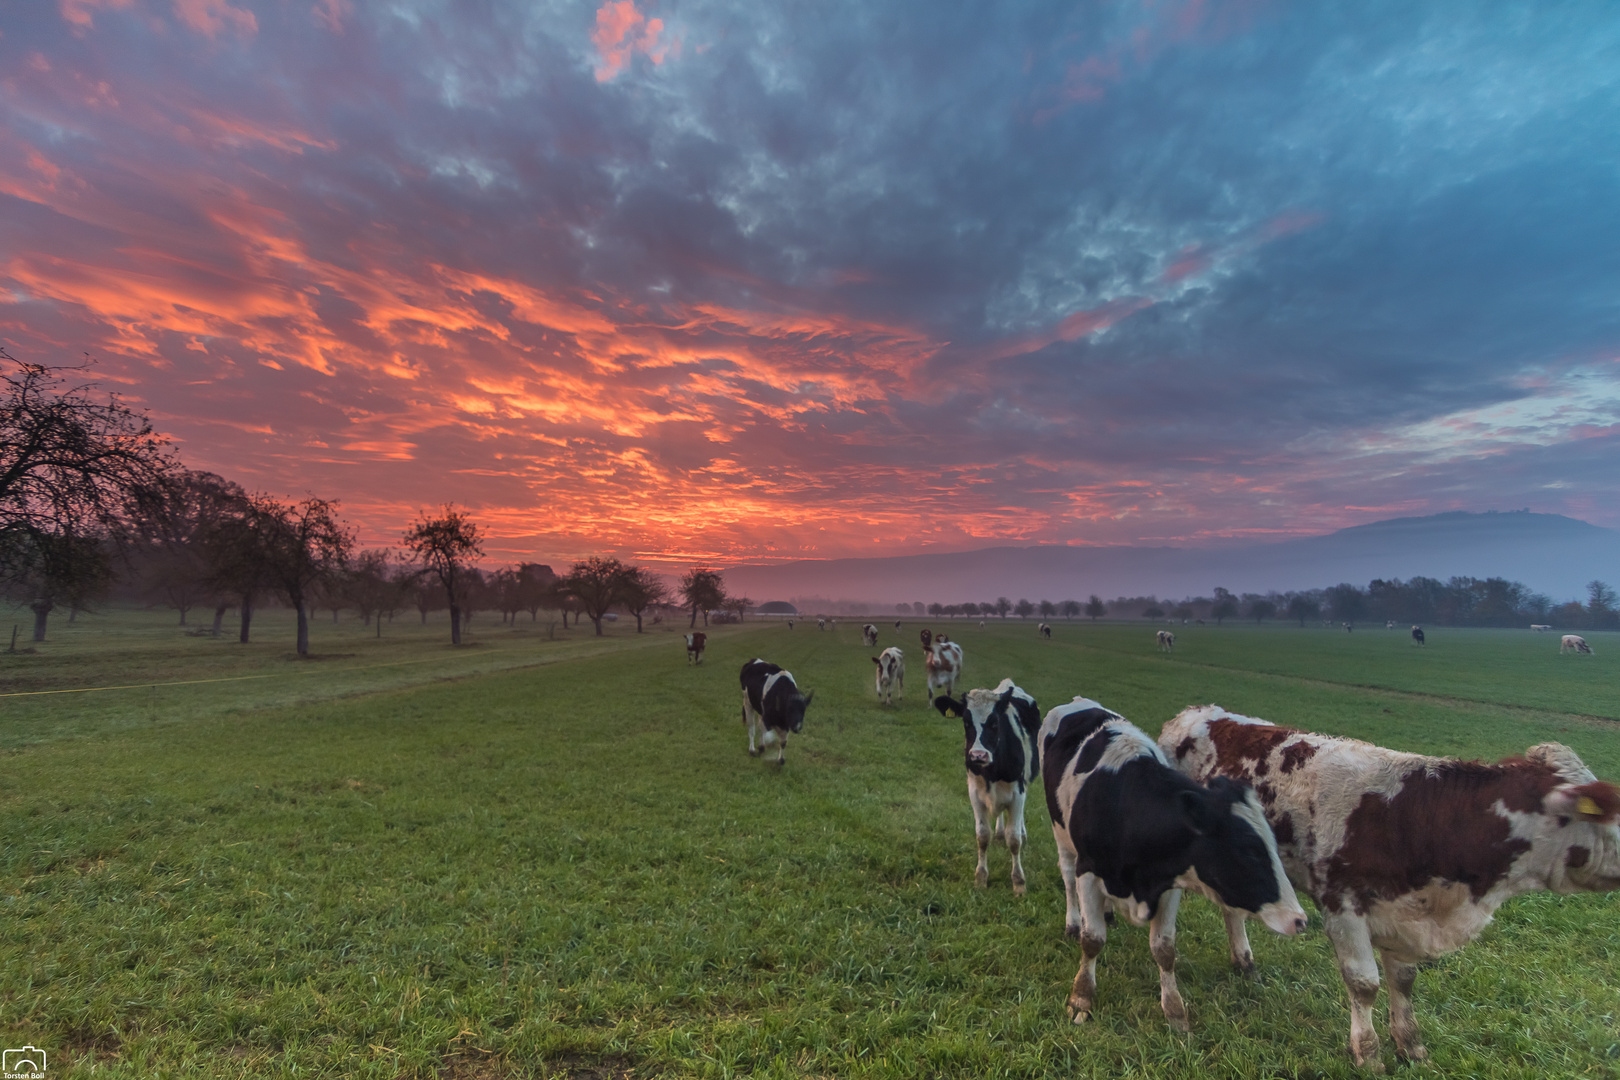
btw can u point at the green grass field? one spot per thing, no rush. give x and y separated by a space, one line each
550 855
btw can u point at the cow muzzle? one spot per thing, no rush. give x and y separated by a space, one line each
1285 920
978 756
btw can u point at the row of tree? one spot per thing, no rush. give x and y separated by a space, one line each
89 494
1002 607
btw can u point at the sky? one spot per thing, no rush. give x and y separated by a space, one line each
726 282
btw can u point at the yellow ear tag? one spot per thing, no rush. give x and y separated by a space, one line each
1588 807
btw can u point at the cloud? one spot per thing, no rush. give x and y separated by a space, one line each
212 17
622 31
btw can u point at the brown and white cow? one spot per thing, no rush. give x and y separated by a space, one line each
1167 641
891 674
1574 643
869 635
942 659
694 647
1405 854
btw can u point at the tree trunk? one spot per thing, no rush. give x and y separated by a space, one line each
42 609
247 618
379 627
219 617
693 625
303 629
596 620
455 624
638 622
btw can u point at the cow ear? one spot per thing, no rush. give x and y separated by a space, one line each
1196 811
948 706
807 696
876 661
1598 802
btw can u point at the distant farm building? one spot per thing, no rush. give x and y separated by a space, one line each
776 607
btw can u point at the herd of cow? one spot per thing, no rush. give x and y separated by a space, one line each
1406 856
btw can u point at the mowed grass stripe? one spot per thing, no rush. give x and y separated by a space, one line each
580 863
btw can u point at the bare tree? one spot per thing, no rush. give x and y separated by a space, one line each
1095 608
307 545
737 605
446 545
641 589
703 590
596 583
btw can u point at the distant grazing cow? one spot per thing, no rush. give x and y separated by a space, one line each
790 624
1001 758
1540 628
1348 628
1574 643
926 637
897 625
891 674
774 705
1390 625
1132 833
943 662
869 635
821 624
1167 641
981 624
1045 630
1403 853
1417 634
694 647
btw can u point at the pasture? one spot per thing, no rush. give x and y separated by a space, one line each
551 855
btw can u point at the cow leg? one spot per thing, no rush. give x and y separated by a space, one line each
1015 834
748 721
1067 857
984 816
1162 943
1402 1024
1093 935
781 750
1237 939
1359 969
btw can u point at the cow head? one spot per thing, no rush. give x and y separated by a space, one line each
989 720
1583 823
927 638
1234 854
793 709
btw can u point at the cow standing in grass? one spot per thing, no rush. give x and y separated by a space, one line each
1574 643
694 647
773 705
1045 630
1167 641
1132 833
869 635
942 659
1417 634
1002 759
1406 855
891 674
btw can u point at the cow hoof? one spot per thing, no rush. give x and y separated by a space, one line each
1179 1023
1018 888
1078 1015
1072 933
1244 965
981 880
1415 1053
1373 1064
752 752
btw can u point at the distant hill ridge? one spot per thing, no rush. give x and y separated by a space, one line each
1550 553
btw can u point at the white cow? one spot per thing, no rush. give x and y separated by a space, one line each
1574 643
1540 628
869 635
1167 641
891 674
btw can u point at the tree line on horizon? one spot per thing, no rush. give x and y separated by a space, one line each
1459 601
91 499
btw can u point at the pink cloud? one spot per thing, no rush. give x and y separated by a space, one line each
80 12
209 17
621 32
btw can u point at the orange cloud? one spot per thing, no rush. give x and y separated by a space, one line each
622 31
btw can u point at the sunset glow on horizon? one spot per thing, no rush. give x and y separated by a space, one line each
723 283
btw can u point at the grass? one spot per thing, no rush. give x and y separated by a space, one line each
549 857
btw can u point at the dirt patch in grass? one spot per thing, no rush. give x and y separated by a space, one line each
576 1067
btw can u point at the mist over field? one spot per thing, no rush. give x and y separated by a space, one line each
1549 553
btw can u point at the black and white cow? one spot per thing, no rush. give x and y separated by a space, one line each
1132 832
1046 630
694 646
773 704
1417 634
999 726
891 674
869 635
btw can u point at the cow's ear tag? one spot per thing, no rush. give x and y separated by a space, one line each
1586 806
